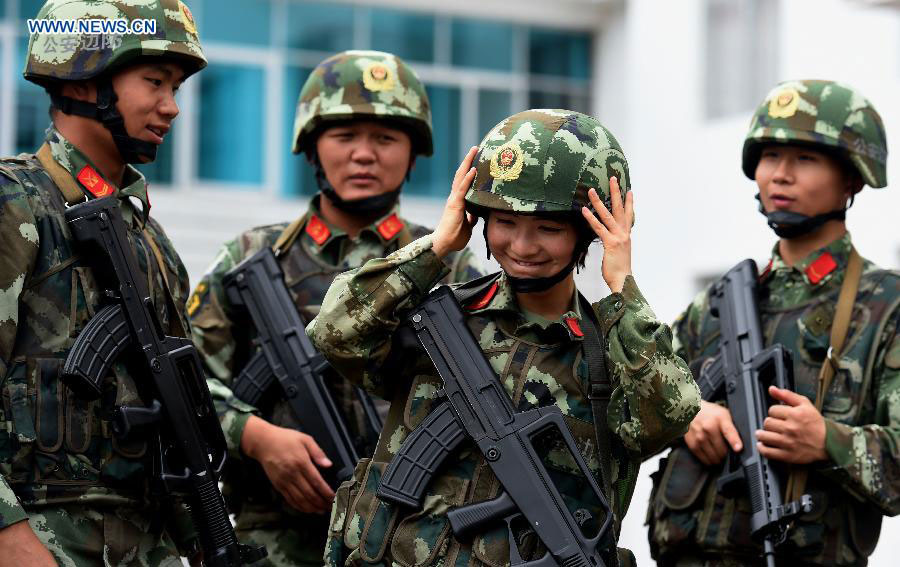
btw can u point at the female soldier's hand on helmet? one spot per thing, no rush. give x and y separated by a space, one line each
455 227
614 230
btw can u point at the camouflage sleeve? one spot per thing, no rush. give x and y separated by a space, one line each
214 335
363 308
686 328
866 458
19 235
655 398
464 267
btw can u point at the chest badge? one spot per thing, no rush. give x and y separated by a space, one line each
317 230
94 183
823 266
507 162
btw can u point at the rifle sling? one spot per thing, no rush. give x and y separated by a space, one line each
70 190
599 392
796 484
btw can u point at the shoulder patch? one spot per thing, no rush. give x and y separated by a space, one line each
573 325
197 297
485 299
389 227
317 230
94 182
823 266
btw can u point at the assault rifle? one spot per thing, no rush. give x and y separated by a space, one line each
190 448
742 372
478 408
287 357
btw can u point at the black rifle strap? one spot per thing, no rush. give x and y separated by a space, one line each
471 289
600 389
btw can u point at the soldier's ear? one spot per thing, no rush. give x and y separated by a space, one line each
80 90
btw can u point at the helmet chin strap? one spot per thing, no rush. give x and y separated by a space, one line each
532 285
132 150
376 205
792 225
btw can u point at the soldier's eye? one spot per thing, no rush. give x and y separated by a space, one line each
156 82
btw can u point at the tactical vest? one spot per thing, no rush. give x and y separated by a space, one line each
687 510
58 446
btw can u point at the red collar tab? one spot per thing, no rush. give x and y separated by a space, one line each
94 182
573 325
766 271
317 230
389 227
485 299
823 266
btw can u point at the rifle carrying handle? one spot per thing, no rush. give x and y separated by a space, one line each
94 351
409 473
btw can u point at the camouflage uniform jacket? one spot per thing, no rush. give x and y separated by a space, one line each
56 448
538 363
861 479
224 336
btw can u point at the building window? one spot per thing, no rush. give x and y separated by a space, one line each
741 44
320 26
235 21
231 124
561 54
482 44
407 34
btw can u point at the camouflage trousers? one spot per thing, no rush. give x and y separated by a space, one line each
287 547
691 560
87 537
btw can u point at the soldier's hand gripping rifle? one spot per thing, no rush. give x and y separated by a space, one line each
287 359
477 407
742 372
190 444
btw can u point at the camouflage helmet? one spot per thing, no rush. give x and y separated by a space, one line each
545 160
820 113
363 84
50 60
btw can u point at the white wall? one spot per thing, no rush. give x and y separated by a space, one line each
695 210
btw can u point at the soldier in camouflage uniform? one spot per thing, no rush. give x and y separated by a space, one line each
362 118
811 146
71 492
533 178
